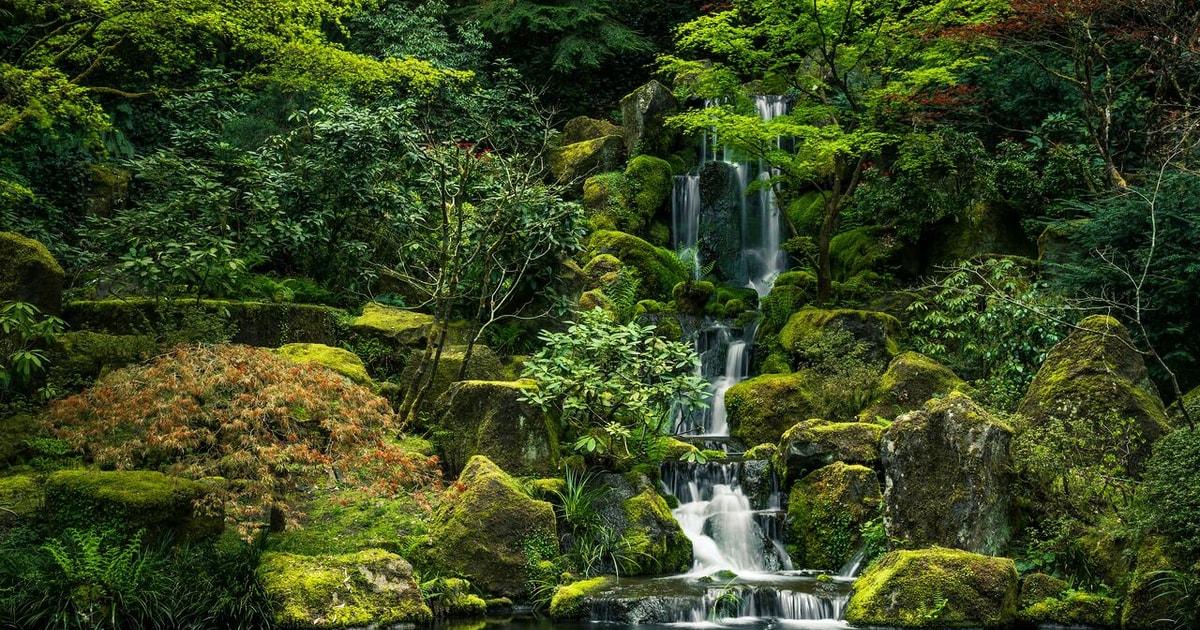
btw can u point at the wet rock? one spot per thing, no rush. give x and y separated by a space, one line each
643 112
814 443
826 511
946 469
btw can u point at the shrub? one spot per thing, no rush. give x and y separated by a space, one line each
1172 489
266 425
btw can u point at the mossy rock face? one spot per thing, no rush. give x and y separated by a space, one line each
641 517
599 269
15 433
29 273
339 360
343 591
86 355
266 325
935 588
607 198
815 443
570 601
643 112
910 380
760 409
340 521
658 269
1036 587
878 330
651 182
719 226
400 327
1095 373
826 510
488 418
946 468
872 248
21 498
1142 608
1073 609
574 162
135 499
1054 243
691 296
582 129
980 229
484 365
481 532
455 599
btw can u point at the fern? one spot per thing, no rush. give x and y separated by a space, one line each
623 293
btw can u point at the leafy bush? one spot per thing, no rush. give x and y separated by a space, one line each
22 331
1172 489
265 424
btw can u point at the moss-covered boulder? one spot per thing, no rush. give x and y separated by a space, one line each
643 112
656 544
978 229
935 588
396 326
870 248
343 591
481 529
651 181
878 330
137 499
20 498
575 162
15 433
946 468
658 269
29 273
266 325
1143 607
691 296
455 599
826 510
606 199
338 521
83 356
910 380
1094 375
582 129
1038 586
760 409
489 418
1073 609
814 443
570 601
483 365
339 360
600 269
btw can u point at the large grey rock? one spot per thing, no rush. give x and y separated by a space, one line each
655 542
642 114
814 443
826 512
489 418
946 480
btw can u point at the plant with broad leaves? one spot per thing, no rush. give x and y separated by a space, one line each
614 386
22 330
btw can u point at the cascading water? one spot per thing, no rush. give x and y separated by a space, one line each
729 508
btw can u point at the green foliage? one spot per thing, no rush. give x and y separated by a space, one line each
1181 591
991 324
843 373
1172 489
613 386
22 331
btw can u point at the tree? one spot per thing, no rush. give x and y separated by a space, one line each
855 70
614 387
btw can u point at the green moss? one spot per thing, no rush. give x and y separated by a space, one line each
676 449
606 198
807 212
343 521
367 587
861 250
401 326
20 496
575 161
1036 587
760 409
762 451
776 363
341 361
599 269
816 442
582 128
691 296
654 307
480 531
910 380
659 269
132 498
651 182
570 600
1143 608
457 600
86 355
826 510
484 365
658 234
1073 609
655 542
489 418
29 273
935 588
15 433
879 330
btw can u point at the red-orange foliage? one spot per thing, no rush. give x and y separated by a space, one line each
264 424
